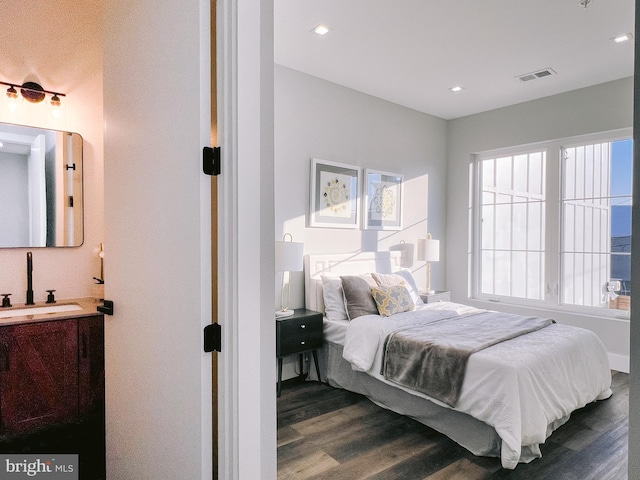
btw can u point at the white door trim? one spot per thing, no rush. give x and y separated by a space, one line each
246 279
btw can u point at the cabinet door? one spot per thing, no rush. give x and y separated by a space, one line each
38 374
91 364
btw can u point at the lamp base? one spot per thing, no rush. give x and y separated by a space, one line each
284 313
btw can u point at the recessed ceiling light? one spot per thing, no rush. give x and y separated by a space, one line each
320 29
625 37
456 89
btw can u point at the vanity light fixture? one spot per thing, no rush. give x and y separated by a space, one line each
34 93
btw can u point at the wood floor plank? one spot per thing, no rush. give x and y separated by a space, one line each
312 465
371 461
301 402
287 435
335 419
328 433
463 469
431 461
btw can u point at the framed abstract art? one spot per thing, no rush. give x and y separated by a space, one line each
382 200
334 195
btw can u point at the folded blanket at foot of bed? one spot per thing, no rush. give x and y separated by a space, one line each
432 358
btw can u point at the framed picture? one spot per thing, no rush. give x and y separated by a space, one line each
382 200
334 195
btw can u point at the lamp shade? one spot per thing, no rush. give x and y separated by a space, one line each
289 256
428 250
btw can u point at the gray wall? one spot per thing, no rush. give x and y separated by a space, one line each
590 110
318 119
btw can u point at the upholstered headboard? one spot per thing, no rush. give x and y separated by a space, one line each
343 264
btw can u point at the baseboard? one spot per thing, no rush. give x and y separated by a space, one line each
620 363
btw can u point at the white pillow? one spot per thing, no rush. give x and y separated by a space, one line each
333 298
413 291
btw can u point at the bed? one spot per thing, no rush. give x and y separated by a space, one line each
514 393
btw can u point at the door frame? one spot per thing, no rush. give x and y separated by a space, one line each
246 274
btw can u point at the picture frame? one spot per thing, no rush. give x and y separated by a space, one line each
383 198
334 194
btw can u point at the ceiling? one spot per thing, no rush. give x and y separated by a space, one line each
410 52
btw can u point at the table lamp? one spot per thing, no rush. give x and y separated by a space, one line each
429 251
288 259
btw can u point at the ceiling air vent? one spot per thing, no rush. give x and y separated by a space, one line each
535 75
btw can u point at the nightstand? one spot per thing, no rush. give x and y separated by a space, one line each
437 296
296 334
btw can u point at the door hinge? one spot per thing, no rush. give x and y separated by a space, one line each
213 338
211 160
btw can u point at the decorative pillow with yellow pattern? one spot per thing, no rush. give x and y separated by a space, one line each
392 299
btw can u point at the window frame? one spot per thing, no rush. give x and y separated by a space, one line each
552 274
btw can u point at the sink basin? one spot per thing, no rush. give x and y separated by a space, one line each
20 312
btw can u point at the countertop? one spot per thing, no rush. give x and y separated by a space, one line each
88 307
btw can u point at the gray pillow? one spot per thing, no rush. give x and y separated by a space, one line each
357 295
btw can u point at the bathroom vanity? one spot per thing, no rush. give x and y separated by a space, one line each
51 366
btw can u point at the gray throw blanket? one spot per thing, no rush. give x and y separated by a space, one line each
432 358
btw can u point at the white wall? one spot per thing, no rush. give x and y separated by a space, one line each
157 213
318 119
589 110
55 43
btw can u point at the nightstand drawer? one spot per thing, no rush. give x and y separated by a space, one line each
290 345
295 335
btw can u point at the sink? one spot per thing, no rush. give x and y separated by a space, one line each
20 312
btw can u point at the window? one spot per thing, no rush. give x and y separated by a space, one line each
553 224
596 211
513 208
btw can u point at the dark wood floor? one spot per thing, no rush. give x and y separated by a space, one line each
328 433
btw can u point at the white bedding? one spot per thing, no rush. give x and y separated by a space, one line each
335 331
525 388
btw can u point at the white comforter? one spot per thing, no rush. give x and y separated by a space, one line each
524 388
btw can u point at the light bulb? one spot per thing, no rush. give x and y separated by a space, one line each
12 94
55 106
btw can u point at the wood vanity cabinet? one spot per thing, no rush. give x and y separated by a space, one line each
50 372
91 365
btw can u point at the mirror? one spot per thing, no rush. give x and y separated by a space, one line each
41 192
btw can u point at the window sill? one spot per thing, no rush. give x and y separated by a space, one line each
591 312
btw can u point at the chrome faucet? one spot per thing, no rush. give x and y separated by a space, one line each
29 279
